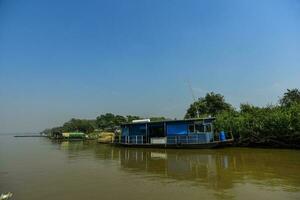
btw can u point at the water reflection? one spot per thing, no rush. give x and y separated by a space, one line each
38 168
218 169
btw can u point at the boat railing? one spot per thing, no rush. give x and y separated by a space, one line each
138 139
190 139
195 138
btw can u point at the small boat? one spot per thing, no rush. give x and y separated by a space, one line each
69 136
190 133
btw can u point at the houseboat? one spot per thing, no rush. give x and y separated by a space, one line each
190 133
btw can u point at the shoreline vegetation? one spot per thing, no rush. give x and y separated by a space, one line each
273 126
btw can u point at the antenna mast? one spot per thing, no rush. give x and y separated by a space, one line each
194 98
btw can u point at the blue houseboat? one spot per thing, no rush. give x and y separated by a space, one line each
190 133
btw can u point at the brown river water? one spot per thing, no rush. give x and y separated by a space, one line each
40 169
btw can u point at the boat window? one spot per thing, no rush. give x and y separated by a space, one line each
156 130
137 129
208 128
199 128
177 128
191 128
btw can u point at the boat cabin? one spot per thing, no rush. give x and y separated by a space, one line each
168 133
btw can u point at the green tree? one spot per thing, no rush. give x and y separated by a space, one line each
130 118
294 112
290 97
229 121
119 120
106 121
81 125
211 104
110 121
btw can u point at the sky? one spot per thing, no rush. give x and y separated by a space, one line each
63 59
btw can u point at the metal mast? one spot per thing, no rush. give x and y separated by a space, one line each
194 98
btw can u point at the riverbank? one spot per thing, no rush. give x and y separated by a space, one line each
254 142
288 142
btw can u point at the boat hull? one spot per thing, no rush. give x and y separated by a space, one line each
179 146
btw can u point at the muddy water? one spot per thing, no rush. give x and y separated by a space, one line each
37 168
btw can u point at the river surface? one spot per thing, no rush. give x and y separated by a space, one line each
40 169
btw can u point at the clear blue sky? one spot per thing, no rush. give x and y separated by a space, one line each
64 59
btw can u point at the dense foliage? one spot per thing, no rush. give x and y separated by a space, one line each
81 125
109 121
290 97
106 122
211 104
277 125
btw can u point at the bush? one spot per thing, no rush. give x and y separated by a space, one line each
272 123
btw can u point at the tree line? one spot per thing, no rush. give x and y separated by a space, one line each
105 122
272 125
